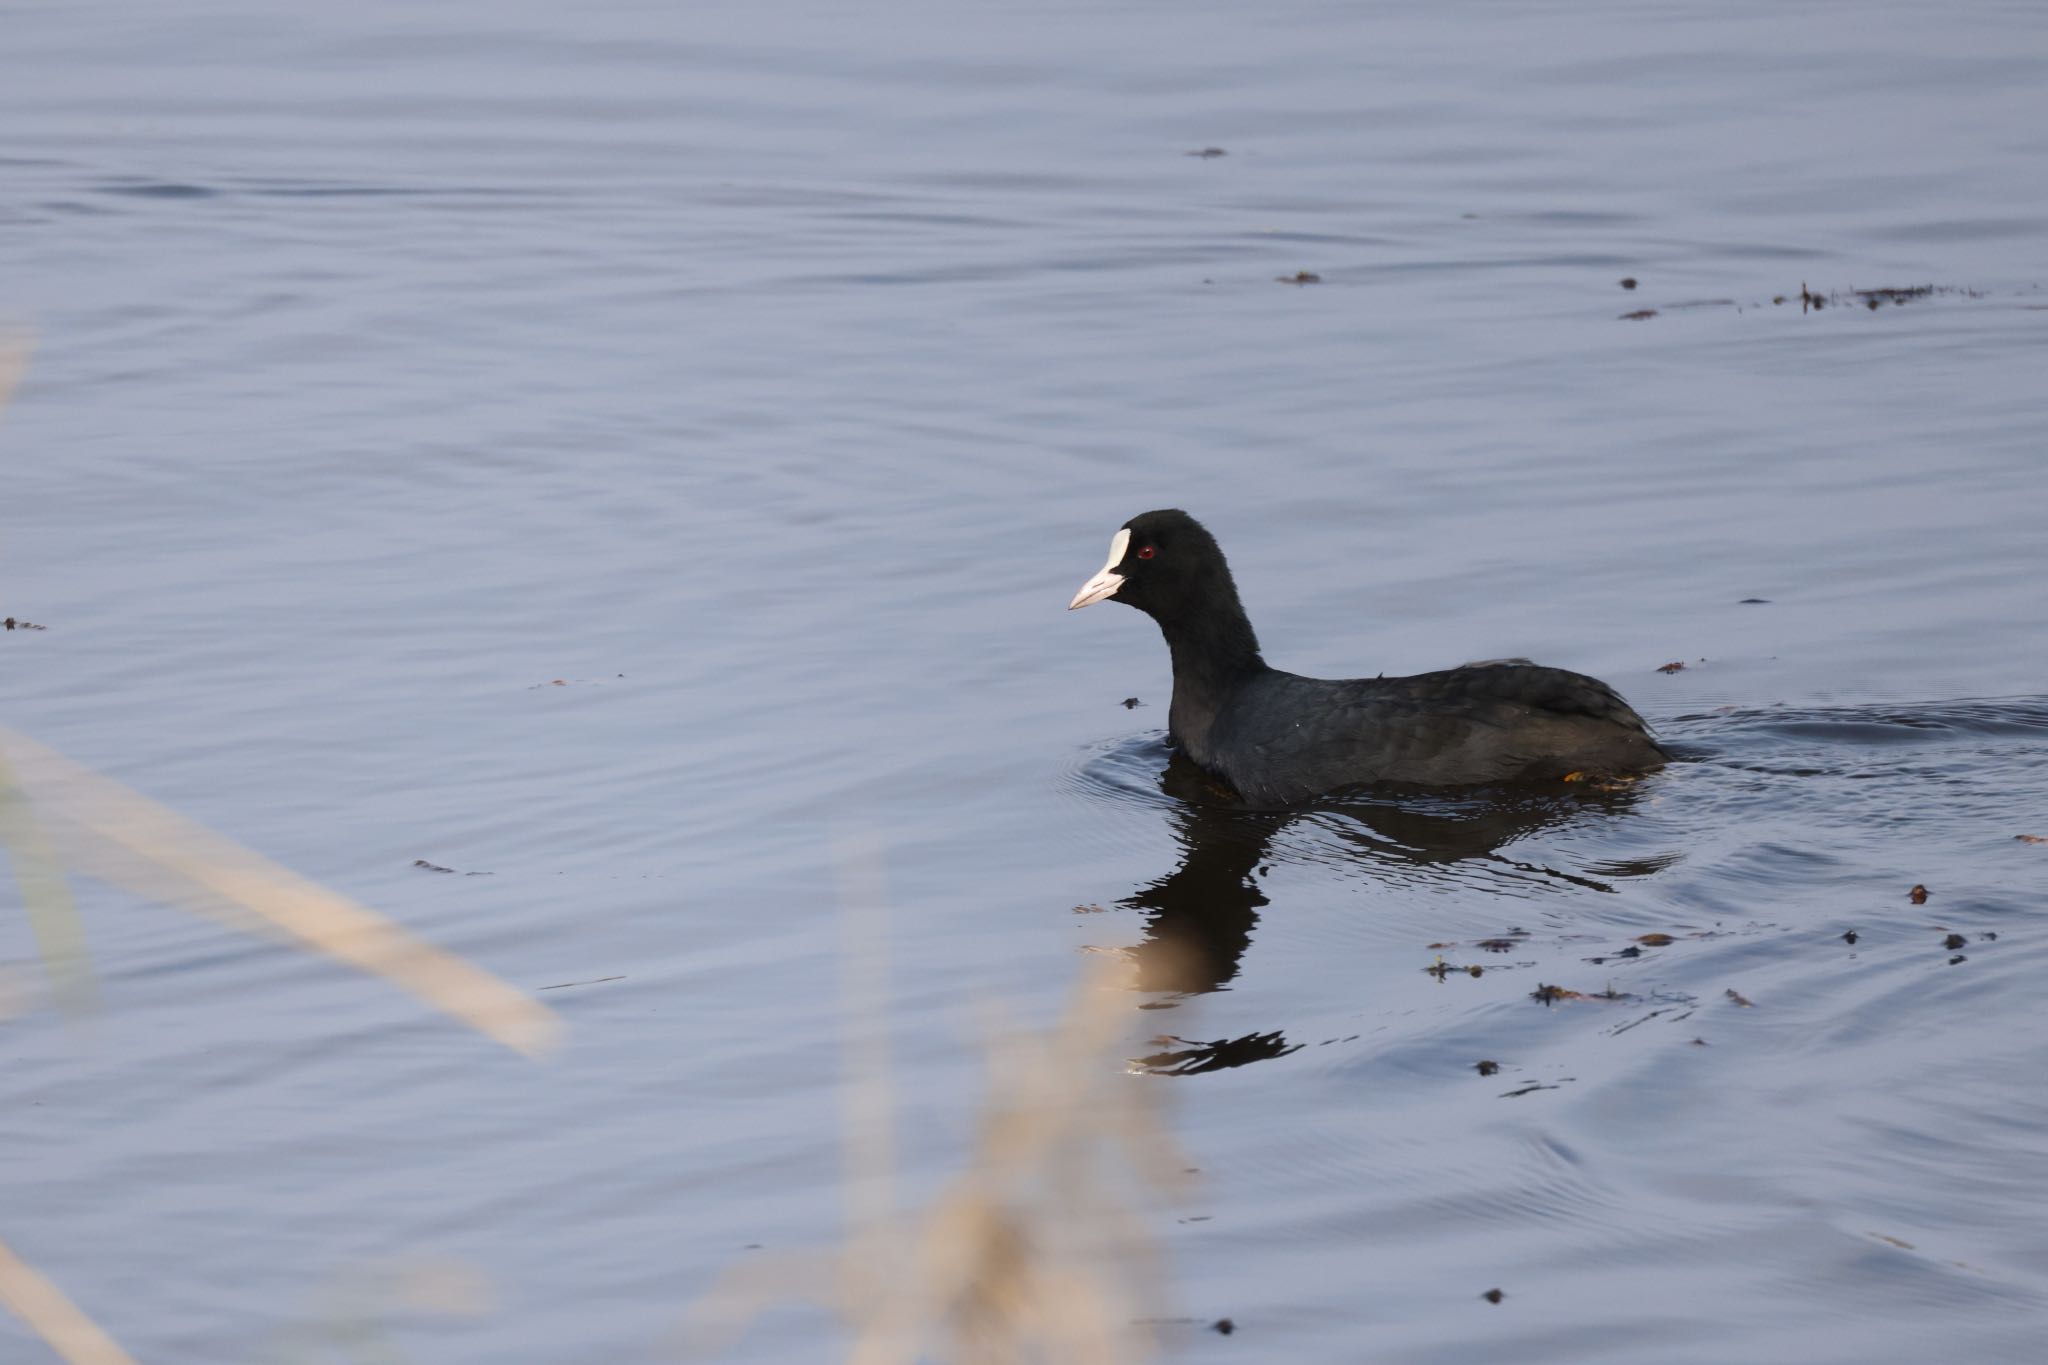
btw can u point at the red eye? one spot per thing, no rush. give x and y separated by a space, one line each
1147 552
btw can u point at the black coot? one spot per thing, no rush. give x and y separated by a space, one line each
1277 738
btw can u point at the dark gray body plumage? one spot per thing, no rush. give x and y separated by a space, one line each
1278 738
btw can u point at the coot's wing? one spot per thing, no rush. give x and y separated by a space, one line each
1476 724
1519 683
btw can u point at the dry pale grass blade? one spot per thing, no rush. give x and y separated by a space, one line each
867 1088
747 1290
126 838
355 1315
1032 1255
16 996
46 896
30 1296
14 348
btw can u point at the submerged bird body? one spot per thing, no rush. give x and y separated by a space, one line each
1277 738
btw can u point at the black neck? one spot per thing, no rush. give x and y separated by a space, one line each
1213 653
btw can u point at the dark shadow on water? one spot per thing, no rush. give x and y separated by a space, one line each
1200 916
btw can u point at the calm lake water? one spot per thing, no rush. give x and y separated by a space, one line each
634 449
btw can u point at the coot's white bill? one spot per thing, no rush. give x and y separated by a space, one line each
1109 580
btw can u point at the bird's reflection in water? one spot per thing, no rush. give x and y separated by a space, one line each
1199 917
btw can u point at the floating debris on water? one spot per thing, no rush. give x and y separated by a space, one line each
1812 301
1486 1068
1954 941
1299 277
1739 998
426 866
1675 666
1642 941
1207 153
1603 782
1550 995
1640 315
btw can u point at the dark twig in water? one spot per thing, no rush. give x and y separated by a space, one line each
425 866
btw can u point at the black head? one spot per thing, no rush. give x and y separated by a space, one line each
1169 567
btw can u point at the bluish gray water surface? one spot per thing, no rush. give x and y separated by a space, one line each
630 449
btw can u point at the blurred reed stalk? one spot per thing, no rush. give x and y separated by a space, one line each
15 344
352 1317
56 814
30 1296
122 837
1038 1251
46 896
